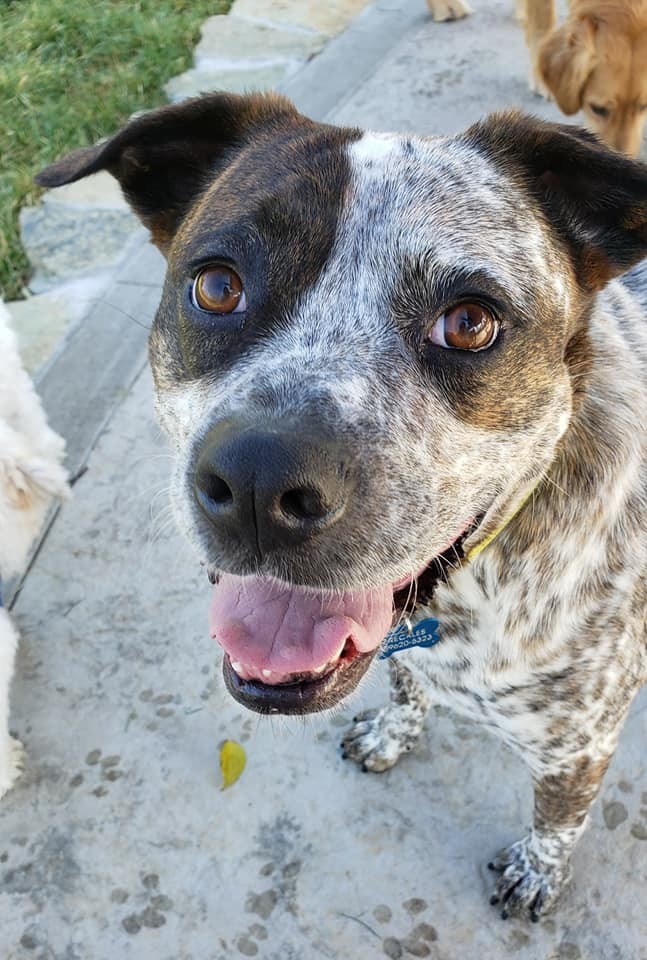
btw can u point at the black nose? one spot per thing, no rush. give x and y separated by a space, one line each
273 486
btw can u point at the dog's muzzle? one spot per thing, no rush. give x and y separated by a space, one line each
280 490
277 490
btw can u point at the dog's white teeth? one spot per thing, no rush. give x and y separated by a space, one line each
237 667
267 674
321 669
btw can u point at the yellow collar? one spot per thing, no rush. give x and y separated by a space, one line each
479 547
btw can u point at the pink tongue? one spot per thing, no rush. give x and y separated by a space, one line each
271 630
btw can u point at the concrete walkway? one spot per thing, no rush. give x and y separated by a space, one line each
118 842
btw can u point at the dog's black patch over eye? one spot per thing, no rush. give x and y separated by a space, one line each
218 289
465 326
599 110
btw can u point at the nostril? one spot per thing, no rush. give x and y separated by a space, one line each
216 489
304 503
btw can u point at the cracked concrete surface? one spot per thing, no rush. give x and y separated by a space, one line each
118 841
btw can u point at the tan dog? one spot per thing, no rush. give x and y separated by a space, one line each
596 61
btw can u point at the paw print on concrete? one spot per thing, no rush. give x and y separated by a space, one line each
412 942
615 811
152 914
104 769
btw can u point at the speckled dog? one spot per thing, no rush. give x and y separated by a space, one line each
402 381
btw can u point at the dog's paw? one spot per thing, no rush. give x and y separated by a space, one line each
527 884
29 481
448 10
12 762
379 737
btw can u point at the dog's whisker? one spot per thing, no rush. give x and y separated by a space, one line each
546 476
160 523
153 491
125 313
148 457
156 510
162 520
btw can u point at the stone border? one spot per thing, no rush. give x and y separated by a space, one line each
76 242
237 54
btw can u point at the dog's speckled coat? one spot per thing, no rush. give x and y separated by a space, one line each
350 247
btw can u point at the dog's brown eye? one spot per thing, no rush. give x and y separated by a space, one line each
601 111
467 326
219 290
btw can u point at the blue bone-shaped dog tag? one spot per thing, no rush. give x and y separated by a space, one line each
422 634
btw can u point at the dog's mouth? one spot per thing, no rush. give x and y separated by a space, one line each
290 649
307 692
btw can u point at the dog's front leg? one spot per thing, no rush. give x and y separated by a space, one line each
539 20
11 750
379 737
448 9
535 869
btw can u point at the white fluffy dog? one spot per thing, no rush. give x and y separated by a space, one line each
31 475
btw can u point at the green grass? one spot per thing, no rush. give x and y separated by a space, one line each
72 71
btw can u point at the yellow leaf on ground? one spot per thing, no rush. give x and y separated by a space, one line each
232 762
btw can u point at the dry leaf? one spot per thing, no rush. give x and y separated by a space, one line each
232 762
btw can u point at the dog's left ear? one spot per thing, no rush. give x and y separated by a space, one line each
566 60
594 198
166 158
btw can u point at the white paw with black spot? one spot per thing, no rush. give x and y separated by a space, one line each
526 885
378 738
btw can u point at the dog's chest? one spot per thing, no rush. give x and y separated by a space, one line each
512 654
480 617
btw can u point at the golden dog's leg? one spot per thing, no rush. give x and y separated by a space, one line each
448 9
539 21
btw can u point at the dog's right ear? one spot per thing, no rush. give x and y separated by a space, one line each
166 158
594 199
566 61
